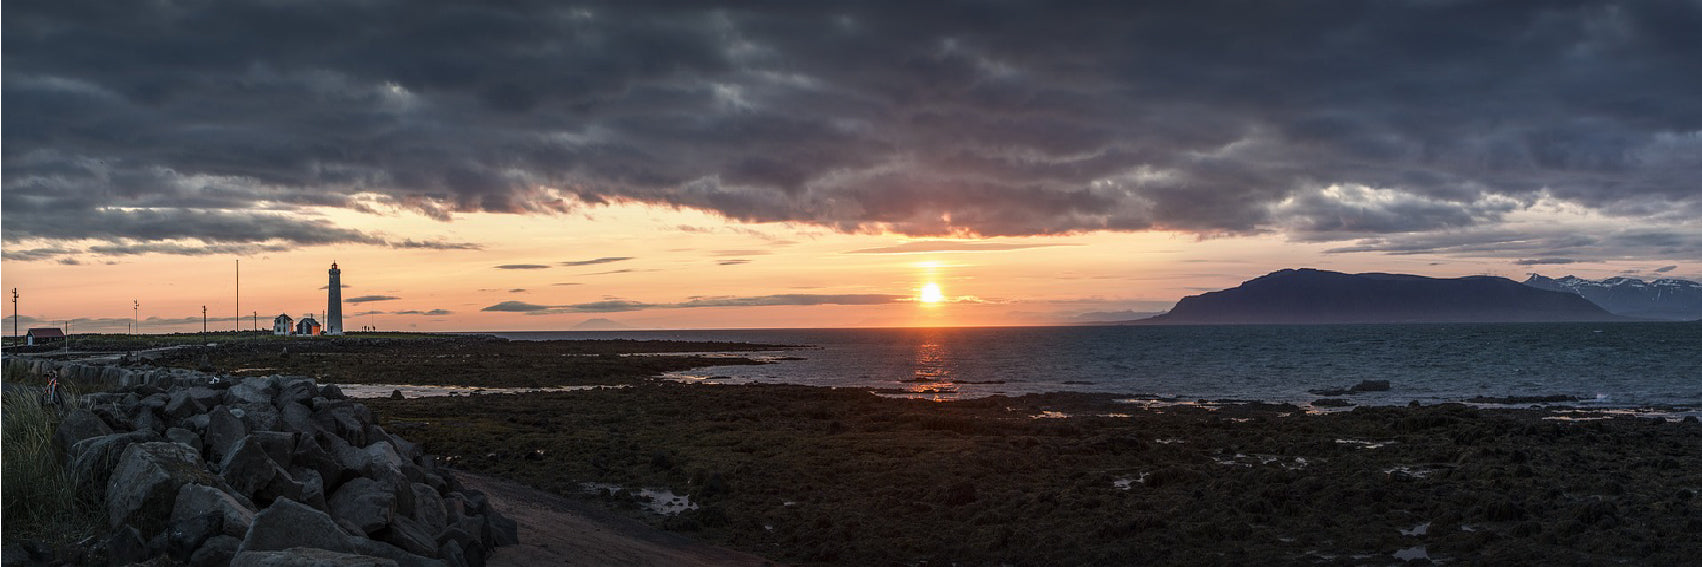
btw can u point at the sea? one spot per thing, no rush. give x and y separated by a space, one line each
1602 365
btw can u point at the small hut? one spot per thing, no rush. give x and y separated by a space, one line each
43 335
307 326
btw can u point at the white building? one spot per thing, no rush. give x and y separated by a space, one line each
281 325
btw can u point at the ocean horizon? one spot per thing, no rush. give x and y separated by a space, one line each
1601 365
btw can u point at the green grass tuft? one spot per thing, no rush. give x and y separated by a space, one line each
40 499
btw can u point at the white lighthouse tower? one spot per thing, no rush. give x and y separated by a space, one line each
334 303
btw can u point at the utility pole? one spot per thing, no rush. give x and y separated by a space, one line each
256 321
239 295
203 319
15 338
135 315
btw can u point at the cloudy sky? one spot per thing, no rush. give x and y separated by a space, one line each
530 165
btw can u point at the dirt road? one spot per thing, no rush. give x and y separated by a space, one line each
559 531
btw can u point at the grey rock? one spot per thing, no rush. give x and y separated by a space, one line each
189 533
332 392
451 554
295 391
254 390
309 453
195 499
148 418
76 426
248 468
365 503
259 417
185 437
216 552
298 418
312 487
279 445
93 459
282 486
287 523
412 536
381 549
205 396
125 546
183 405
308 557
224 431
143 489
195 422
428 507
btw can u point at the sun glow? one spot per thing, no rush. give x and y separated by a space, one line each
931 294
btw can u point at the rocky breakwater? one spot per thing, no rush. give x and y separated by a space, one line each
211 470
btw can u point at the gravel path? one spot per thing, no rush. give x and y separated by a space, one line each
559 531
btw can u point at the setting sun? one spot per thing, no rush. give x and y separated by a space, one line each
931 294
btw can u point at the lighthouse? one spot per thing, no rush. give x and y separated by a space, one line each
334 303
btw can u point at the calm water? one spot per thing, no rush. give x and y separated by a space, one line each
1606 364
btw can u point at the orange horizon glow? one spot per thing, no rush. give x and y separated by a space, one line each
666 263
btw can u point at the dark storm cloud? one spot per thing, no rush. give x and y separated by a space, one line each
435 245
1328 120
368 298
34 254
603 260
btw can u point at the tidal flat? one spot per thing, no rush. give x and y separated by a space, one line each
822 476
459 360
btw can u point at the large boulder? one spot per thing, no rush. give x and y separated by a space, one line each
364 503
251 471
143 489
196 499
216 552
224 431
258 417
76 426
295 391
93 459
308 557
182 405
255 390
287 524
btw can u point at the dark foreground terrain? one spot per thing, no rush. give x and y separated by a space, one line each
823 476
459 360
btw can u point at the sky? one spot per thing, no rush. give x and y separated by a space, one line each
689 164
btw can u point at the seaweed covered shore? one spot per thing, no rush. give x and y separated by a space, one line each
459 360
840 476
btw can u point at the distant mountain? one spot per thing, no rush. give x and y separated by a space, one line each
601 324
1669 299
1308 296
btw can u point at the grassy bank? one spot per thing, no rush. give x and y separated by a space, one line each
820 476
41 502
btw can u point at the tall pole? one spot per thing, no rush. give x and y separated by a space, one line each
135 315
203 318
239 295
14 315
256 321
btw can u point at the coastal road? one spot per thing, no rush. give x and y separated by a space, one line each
559 531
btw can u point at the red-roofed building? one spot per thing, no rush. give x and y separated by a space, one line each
43 334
